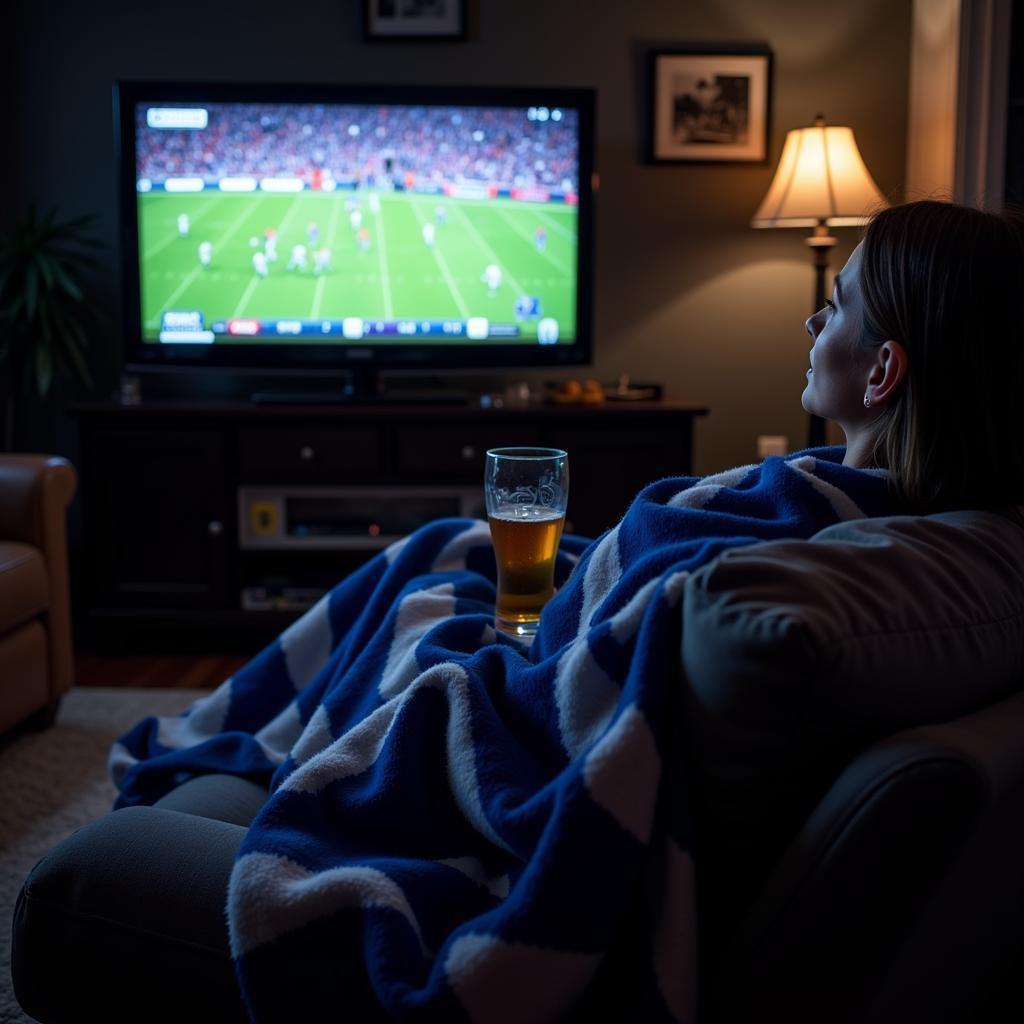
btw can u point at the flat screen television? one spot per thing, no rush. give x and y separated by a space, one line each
341 229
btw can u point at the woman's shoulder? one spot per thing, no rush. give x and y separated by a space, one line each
833 453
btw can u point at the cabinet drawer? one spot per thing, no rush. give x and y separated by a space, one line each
157 517
300 453
455 451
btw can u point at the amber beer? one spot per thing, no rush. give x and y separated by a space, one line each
525 491
525 546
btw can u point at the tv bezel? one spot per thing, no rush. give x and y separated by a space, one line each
346 358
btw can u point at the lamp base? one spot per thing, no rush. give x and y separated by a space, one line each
821 243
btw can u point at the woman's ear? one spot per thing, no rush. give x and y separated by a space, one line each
887 372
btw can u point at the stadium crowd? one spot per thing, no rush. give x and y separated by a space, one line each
374 146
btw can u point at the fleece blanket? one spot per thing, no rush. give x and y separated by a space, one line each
461 826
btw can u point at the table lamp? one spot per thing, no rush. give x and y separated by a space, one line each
821 182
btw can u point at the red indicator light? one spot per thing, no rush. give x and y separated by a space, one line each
374 530
248 327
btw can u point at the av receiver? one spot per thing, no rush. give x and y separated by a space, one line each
344 518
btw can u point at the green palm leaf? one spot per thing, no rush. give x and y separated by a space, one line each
45 265
65 281
43 307
76 358
44 370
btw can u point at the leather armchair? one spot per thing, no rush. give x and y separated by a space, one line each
36 659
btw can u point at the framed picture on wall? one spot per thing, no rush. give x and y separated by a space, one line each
710 107
415 19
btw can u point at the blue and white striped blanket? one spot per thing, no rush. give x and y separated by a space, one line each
462 828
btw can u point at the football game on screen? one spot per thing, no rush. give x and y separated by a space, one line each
277 222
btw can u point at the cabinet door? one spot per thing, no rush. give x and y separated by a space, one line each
607 467
158 523
455 452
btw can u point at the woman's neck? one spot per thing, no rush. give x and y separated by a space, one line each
860 451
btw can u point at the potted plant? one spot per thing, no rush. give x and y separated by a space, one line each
45 319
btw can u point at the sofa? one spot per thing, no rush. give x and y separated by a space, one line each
36 659
852 711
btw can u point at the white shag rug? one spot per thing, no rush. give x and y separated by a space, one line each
53 782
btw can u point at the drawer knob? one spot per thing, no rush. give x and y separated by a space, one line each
468 452
215 527
306 453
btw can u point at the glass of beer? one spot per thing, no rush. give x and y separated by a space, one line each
525 490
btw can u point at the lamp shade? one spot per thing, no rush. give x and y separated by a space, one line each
821 179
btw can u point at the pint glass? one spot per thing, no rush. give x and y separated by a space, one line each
525 491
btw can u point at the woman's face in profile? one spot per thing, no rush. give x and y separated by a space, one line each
837 378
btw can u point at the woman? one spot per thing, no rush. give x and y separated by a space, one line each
918 355
459 825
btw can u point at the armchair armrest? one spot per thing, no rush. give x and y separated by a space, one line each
35 491
900 897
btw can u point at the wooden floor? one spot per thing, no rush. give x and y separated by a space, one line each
165 671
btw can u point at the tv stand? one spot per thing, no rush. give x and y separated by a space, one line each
405 396
273 397
362 387
173 493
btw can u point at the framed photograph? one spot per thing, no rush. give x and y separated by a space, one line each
415 19
710 107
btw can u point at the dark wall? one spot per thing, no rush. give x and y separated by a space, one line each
1014 180
686 293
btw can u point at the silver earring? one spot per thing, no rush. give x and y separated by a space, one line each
867 402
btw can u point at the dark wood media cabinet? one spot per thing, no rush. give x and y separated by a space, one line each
165 556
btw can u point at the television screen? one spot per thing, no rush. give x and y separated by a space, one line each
274 225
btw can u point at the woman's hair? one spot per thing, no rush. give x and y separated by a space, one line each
947 283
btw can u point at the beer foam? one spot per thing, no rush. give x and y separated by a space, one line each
526 513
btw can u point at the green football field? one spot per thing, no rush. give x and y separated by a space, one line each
399 278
